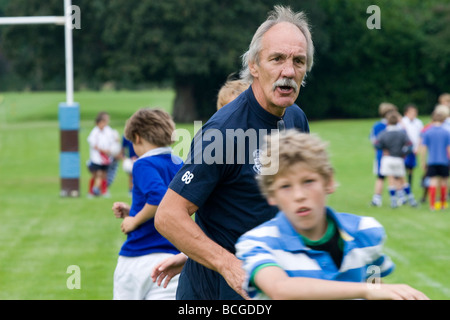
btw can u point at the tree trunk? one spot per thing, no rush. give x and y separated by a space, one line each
184 107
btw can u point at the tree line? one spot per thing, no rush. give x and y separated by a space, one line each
195 45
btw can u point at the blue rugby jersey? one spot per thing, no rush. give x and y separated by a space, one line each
277 243
437 140
152 174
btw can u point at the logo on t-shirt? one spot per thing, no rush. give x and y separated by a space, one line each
256 161
187 177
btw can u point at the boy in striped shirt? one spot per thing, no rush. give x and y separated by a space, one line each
309 251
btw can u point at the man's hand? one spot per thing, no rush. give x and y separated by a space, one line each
234 274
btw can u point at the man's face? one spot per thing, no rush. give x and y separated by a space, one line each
282 57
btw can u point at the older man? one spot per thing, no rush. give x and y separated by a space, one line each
223 193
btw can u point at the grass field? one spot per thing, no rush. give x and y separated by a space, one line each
41 234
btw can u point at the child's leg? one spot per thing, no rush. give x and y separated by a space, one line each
443 193
392 186
96 189
91 185
432 192
409 195
377 196
104 182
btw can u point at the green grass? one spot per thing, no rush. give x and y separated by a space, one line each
41 234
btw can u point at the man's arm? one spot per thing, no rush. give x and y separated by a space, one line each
173 220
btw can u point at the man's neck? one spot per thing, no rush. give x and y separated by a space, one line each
259 96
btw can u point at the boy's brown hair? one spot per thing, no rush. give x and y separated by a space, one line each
293 147
386 107
101 116
440 113
393 117
153 125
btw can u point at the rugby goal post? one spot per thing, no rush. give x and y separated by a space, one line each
68 111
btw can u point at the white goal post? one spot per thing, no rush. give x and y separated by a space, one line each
69 111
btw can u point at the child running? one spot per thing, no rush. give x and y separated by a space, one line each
395 145
150 131
310 251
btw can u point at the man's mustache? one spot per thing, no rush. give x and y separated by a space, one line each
285 82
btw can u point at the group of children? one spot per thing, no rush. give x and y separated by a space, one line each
399 141
308 251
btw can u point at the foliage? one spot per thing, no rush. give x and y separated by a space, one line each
194 45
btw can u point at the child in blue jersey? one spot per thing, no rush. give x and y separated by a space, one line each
395 144
310 251
434 151
383 109
150 131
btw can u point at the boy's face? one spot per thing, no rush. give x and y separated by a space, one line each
301 194
411 113
103 123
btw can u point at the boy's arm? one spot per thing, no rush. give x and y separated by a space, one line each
275 283
120 209
168 268
423 156
132 223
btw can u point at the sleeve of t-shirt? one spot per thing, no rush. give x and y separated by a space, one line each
198 177
373 235
91 139
425 139
255 255
150 182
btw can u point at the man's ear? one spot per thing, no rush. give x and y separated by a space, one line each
254 69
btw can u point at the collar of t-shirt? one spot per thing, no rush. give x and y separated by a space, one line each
260 112
157 151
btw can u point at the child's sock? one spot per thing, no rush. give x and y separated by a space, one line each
432 194
104 186
409 195
401 196
444 197
392 194
91 185
377 200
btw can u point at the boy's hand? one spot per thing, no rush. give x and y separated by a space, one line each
394 292
168 268
121 210
129 224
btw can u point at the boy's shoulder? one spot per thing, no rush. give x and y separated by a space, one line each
159 160
363 229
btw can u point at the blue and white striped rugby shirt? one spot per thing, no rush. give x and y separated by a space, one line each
276 242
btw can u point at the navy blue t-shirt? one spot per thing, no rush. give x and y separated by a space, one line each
219 177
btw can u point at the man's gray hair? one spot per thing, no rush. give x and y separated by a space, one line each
278 15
